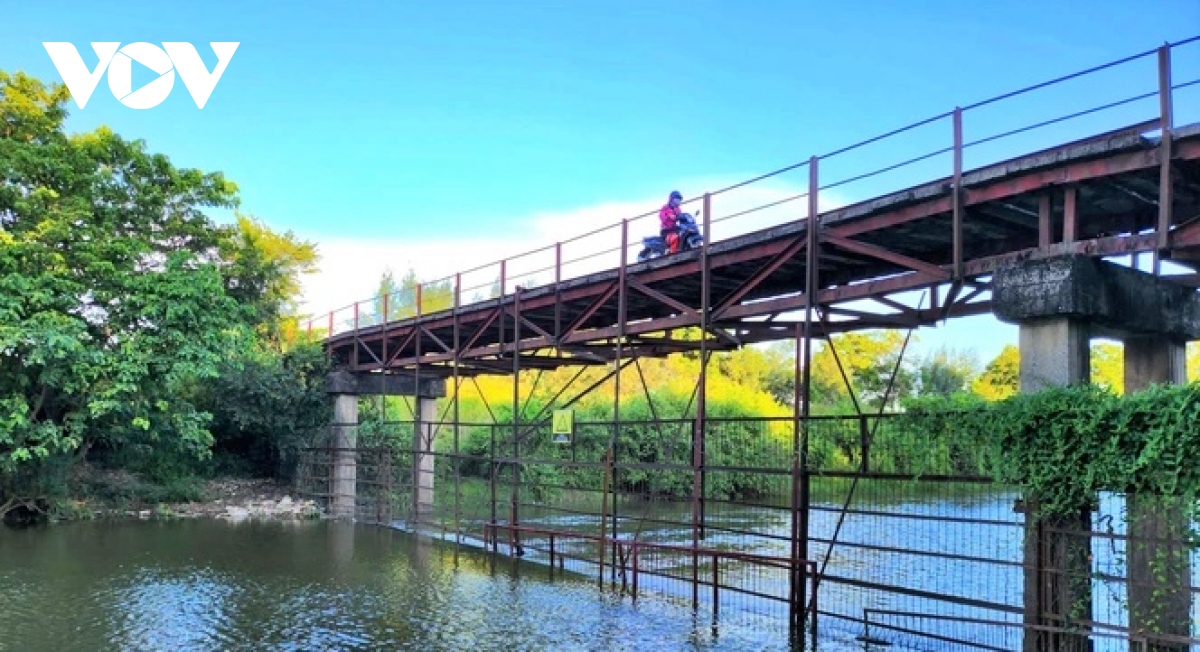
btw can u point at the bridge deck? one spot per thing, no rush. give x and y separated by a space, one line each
1098 197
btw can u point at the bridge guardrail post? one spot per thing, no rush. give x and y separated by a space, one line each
1166 120
354 354
557 293
958 194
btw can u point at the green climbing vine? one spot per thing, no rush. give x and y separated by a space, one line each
1063 447
1066 445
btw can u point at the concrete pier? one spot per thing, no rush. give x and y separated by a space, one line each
1059 304
423 465
346 387
343 477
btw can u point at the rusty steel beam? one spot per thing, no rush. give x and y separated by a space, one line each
664 342
698 434
1004 187
1070 173
907 281
357 341
949 304
890 303
769 267
887 219
660 297
436 340
1186 235
899 284
868 322
411 334
880 253
360 344
904 320
1110 246
490 317
557 291
535 328
595 306
1070 214
1045 233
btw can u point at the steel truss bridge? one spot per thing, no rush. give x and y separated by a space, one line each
1126 190
1124 183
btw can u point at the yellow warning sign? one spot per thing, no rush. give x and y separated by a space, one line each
562 426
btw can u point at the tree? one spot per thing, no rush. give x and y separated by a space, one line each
779 378
869 360
266 405
112 295
945 372
402 295
1193 361
262 270
387 296
1001 378
1108 366
769 369
268 396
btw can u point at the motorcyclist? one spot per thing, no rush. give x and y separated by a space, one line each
668 218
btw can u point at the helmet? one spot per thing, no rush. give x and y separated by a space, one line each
675 195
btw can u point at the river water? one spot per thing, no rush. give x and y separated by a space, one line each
188 585
212 585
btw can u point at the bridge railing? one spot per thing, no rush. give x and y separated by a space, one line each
1154 87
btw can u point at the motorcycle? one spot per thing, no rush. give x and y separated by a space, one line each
688 238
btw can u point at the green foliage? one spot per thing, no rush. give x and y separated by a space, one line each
1064 445
128 318
733 443
266 405
936 434
1060 445
261 270
110 300
945 373
868 361
1108 366
401 297
1001 378
124 490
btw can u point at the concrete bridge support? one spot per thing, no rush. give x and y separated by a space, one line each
347 387
1055 352
1154 360
423 464
343 477
1059 304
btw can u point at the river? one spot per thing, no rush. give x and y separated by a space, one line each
184 585
211 585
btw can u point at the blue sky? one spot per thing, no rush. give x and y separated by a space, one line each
383 131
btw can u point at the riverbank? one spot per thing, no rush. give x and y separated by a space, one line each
115 494
240 499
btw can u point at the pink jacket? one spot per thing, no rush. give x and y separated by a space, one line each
668 217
